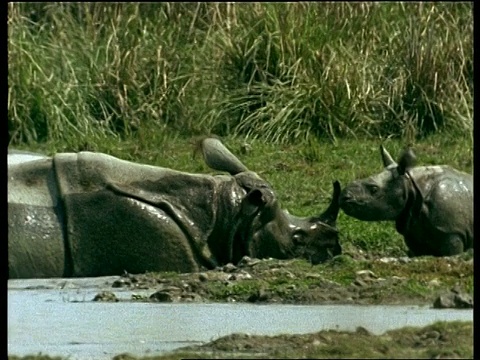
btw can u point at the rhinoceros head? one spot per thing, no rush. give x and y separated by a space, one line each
382 196
278 234
272 231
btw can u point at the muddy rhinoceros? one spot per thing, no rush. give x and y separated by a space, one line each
91 214
431 205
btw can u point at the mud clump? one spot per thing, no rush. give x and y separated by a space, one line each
106 296
454 299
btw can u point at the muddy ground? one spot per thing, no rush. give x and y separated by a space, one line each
438 282
438 341
448 340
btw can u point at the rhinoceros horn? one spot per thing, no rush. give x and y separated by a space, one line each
329 216
386 157
407 159
218 157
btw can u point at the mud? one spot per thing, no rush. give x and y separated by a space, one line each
441 340
294 282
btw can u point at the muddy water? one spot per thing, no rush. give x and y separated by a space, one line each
57 317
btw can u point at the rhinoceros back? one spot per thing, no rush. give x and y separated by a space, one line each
20 156
123 216
35 222
448 199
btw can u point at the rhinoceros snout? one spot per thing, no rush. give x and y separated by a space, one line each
345 197
350 203
328 253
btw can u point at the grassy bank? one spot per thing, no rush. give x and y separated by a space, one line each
437 341
81 74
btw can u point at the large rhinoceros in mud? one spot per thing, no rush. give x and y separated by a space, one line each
431 205
91 214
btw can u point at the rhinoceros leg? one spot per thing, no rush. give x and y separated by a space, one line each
416 247
451 244
440 245
36 246
35 243
109 234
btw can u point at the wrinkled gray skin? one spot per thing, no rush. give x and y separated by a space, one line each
90 214
431 205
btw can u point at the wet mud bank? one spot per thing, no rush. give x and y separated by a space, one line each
438 282
437 290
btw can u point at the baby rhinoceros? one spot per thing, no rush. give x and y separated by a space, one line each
432 205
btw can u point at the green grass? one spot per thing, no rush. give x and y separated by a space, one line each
85 73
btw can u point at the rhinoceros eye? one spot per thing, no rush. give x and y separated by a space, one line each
373 188
298 237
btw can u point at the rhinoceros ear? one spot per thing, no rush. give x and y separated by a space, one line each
218 157
406 161
253 202
386 157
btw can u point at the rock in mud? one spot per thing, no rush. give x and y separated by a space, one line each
125 356
366 275
281 272
241 275
394 260
229 268
398 279
258 296
360 283
444 302
191 297
455 300
362 331
121 283
162 296
463 301
247 261
434 282
365 278
106 296
428 338
203 277
169 294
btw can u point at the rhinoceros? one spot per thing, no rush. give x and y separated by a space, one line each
90 214
432 205
19 156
